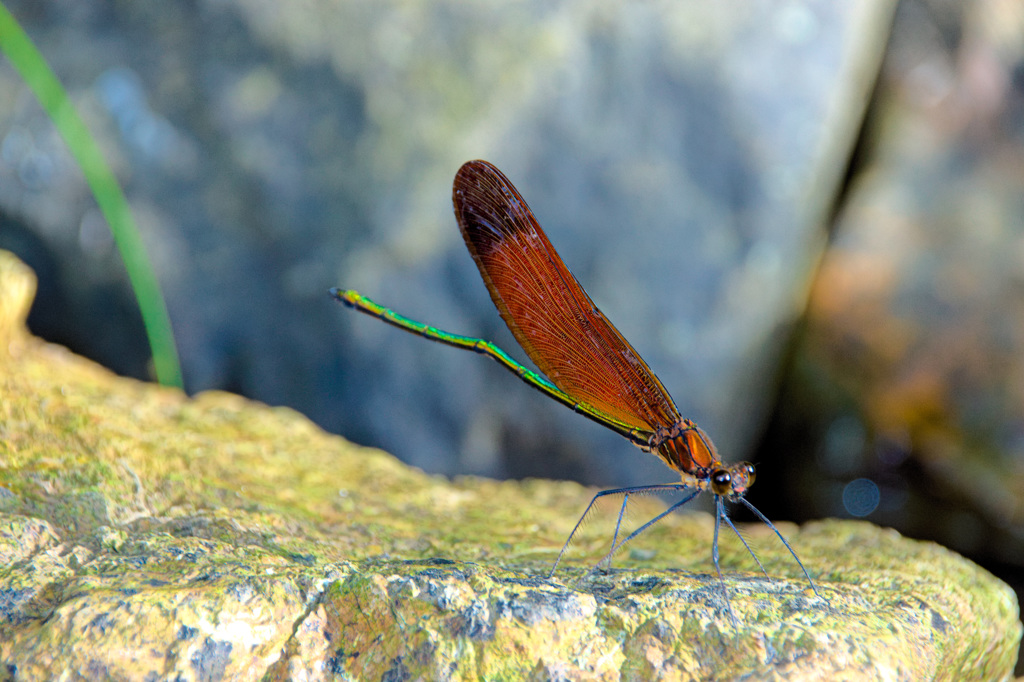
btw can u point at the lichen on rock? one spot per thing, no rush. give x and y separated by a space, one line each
144 533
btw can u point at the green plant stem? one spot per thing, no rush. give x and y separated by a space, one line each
18 47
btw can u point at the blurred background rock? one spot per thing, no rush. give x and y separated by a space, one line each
681 156
856 328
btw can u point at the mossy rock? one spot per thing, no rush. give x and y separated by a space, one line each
145 534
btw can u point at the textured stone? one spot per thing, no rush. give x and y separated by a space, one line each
144 534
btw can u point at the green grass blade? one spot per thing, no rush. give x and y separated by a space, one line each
18 47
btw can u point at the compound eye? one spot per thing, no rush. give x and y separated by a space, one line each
751 473
721 482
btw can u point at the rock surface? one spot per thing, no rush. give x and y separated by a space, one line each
145 535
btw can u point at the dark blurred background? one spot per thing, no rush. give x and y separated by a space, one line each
807 216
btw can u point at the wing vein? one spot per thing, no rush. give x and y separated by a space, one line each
549 313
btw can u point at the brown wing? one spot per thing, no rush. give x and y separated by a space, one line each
549 313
